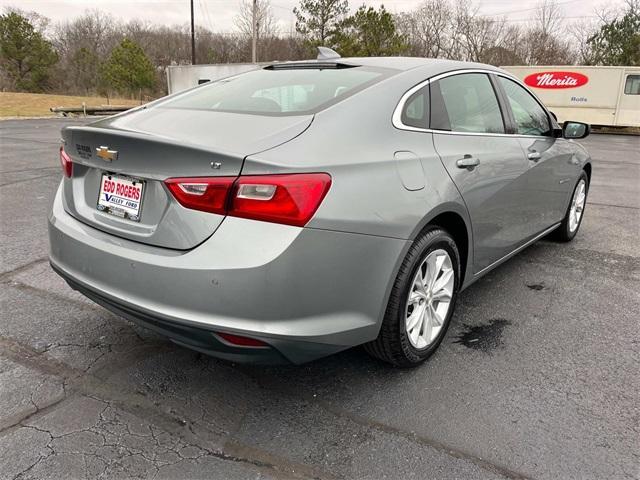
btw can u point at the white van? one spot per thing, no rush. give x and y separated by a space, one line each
608 96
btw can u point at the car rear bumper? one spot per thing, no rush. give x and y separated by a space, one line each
305 292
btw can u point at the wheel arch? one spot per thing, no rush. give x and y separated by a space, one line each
454 219
587 169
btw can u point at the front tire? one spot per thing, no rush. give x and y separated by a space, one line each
575 212
421 303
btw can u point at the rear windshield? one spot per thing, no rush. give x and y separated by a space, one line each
279 91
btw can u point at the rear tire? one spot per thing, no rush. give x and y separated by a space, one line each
575 211
404 340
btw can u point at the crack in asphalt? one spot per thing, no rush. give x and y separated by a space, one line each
46 295
612 205
613 264
108 428
29 179
4 276
389 429
24 170
30 140
77 383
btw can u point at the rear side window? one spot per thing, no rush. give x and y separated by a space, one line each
530 117
465 103
415 111
279 91
632 85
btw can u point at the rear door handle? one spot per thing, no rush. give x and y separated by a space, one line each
468 161
535 156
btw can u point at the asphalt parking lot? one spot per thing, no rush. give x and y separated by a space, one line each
538 376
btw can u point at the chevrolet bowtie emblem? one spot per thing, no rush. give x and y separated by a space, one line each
106 154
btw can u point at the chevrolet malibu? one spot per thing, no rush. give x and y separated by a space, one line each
303 208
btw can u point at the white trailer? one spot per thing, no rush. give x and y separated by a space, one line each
182 77
607 96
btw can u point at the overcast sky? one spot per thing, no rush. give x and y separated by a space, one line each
218 14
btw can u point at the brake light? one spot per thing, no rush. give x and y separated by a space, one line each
291 199
205 194
66 163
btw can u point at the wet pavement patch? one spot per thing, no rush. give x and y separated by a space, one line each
486 337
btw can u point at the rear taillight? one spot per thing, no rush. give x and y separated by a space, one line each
291 199
205 194
66 163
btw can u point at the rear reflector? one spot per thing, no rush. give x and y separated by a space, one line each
66 163
291 199
241 341
205 194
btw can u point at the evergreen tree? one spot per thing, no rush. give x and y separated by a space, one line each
25 55
320 20
370 33
618 41
127 70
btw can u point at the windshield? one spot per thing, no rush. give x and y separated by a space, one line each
284 91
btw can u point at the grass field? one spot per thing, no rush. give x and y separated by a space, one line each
37 105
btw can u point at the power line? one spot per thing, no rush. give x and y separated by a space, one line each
205 11
524 9
515 20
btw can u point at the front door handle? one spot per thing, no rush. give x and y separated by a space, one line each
468 161
535 156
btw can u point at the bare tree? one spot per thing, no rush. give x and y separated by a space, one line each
548 17
509 50
633 6
82 44
545 43
579 33
475 35
428 28
266 23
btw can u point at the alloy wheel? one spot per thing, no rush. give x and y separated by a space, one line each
429 299
577 205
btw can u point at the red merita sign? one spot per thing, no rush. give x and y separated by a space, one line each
556 80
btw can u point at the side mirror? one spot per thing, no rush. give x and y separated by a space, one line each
575 130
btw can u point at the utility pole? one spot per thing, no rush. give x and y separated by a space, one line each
193 38
254 31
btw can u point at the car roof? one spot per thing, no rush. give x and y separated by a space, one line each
401 63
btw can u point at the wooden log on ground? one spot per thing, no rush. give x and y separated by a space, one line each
92 110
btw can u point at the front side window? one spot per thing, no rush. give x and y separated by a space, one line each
465 103
414 113
279 91
632 85
530 117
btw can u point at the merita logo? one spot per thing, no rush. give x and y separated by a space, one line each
556 80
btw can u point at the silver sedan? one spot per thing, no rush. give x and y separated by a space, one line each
303 208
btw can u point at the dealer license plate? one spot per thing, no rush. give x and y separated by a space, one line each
121 196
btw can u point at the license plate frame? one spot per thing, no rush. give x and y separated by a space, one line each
115 201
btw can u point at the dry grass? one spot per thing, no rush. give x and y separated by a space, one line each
37 104
617 130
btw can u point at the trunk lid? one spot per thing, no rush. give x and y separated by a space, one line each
159 143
